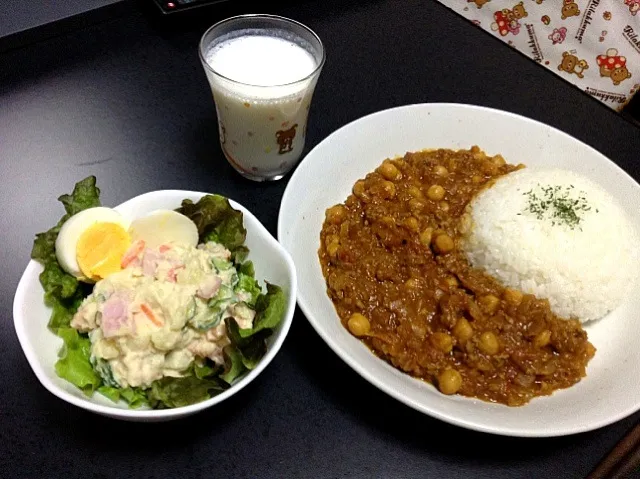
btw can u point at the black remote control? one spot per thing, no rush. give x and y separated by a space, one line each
173 6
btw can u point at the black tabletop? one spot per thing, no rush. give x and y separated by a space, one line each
127 101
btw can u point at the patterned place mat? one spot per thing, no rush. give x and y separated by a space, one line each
594 44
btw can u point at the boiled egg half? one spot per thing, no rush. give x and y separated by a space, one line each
91 243
164 227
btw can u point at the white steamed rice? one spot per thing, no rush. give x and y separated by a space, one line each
584 272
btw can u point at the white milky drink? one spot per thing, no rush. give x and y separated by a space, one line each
262 81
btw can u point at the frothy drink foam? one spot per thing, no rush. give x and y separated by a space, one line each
262 111
261 60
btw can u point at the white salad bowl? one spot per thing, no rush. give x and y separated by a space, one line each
272 263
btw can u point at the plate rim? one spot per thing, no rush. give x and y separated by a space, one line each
503 430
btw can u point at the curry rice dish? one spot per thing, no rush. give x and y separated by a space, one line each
393 256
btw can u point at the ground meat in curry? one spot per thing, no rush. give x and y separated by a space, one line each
398 279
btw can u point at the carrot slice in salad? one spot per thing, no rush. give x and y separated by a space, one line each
149 314
133 252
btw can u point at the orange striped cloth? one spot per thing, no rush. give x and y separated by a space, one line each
594 44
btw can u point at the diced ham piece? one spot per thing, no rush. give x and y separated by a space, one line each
209 286
150 262
172 274
115 317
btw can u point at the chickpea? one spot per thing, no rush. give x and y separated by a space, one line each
542 339
425 236
449 381
359 325
462 330
332 249
498 160
489 168
435 192
388 189
411 283
390 171
444 206
415 192
512 296
388 221
443 244
451 281
489 303
336 214
488 343
476 179
412 223
440 171
416 205
359 189
442 341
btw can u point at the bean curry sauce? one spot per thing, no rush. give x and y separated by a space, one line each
399 280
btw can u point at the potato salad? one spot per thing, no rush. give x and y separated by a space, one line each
158 311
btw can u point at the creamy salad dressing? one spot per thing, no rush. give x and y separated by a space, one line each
163 311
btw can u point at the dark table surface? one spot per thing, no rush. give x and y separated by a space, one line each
127 101
24 21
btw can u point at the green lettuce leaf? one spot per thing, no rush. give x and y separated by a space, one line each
248 283
178 392
85 195
247 268
110 392
205 369
63 292
135 397
248 346
239 254
73 363
218 221
43 247
235 366
199 384
270 308
62 310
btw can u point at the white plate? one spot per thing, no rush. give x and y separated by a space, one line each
611 389
30 315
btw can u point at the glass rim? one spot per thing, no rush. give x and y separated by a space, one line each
267 16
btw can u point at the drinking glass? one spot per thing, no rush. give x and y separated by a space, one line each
262 126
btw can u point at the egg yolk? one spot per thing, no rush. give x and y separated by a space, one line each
100 249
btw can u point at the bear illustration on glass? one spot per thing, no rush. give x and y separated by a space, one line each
285 139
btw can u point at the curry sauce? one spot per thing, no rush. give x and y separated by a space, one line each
400 282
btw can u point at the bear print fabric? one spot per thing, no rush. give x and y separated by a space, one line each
594 44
